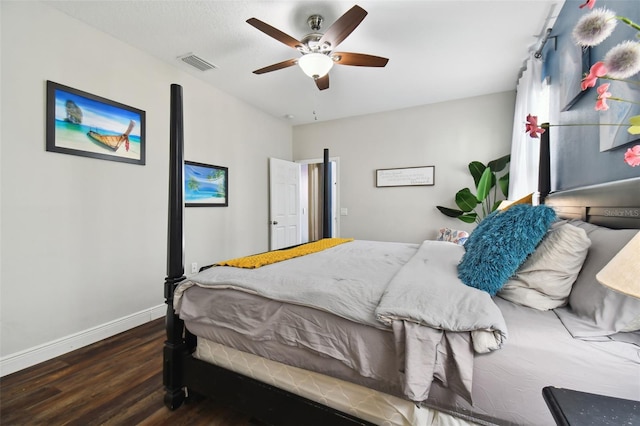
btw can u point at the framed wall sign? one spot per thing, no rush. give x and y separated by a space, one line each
205 185
79 123
406 176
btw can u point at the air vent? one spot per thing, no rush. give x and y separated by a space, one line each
196 62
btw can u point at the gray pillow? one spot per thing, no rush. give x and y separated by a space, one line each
545 279
596 310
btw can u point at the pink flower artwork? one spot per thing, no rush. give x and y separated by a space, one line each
589 4
632 156
603 95
597 70
532 126
620 63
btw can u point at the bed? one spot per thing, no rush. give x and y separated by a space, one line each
301 353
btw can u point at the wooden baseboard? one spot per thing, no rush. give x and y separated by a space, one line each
32 356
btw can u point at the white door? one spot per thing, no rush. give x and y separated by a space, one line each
284 203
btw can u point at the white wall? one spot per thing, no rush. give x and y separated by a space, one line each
446 135
84 240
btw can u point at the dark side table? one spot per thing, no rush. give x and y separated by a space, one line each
570 407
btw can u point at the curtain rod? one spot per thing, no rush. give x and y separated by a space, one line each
543 41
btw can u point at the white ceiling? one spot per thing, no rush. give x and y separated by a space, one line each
437 50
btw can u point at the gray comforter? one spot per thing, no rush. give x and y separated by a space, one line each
426 291
410 289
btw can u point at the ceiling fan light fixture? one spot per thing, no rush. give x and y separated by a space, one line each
315 65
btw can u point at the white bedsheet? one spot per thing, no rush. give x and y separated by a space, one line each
507 384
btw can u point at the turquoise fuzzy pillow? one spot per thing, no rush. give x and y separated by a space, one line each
501 243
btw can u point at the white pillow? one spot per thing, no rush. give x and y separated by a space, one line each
545 279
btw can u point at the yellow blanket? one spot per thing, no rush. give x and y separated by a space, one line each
258 260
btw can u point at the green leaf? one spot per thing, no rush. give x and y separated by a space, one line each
476 168
487 181
466 200
504 185
634 129
495 205
450 212
500 163
468 217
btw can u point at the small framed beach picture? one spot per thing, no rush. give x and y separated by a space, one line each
79 123
205 185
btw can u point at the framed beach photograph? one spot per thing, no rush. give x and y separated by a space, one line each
205 185
79 123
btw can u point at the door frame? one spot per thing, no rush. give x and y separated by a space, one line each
335 194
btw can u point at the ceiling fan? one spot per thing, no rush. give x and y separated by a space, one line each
318 56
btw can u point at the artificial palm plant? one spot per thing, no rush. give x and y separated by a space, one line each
475 207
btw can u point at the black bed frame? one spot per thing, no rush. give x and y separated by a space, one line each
185 376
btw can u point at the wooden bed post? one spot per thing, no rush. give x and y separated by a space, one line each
174 346
326 213
544 167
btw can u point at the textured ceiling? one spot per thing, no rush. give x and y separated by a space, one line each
437 50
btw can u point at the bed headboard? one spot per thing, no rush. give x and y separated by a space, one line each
613 204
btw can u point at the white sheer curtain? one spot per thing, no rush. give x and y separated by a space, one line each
531 98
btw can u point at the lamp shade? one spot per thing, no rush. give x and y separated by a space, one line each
315 65
622 273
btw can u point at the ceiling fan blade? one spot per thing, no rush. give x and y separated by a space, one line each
323 82
341 29
359 59
274 32
278 66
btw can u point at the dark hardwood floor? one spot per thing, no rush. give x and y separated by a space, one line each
117 381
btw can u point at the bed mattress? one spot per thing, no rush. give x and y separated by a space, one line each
430 328
507 384
365 403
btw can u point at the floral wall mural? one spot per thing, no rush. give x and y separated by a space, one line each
597 139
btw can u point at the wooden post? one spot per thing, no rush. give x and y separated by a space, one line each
174 346
544 167
326 212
